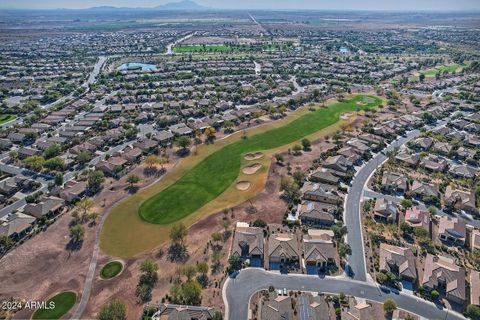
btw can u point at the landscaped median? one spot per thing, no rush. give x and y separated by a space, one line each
198 181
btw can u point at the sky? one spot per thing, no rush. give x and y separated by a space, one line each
404 5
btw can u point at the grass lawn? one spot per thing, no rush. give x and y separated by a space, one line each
224 48
64 301
125 234
212 176
6 118
201 48
441 69
111 269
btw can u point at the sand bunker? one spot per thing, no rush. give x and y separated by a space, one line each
252 169
243 185
253 156
345 116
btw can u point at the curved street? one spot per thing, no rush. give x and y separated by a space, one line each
356 260
237 292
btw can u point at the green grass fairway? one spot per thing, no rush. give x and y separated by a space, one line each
201 48
213 175
111 269
64 301
441 69
224 48
4 118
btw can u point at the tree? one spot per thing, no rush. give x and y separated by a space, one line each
77 233
421 233
152 161
55 163
132 180
226 224
339 230
148 279
434 294
13 155
259 223
178 249
84 157
58 179
406 203
427 117
306 144
34 163
299 176
234 263
389 306
5 243
202 267
95 180
183 142
217 236
210 133
279 158
405 228
421 77
52 151
382 278
217 315
192 293
189 271
84 206
178 233
476 256
290 188
113 310
297 150
149 268
344 249
473 312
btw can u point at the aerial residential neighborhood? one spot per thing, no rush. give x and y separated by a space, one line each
220 160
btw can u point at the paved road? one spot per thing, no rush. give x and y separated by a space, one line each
356 260
237 292
96 70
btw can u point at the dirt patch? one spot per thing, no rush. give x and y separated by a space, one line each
252 169
253 156
243 185
345 116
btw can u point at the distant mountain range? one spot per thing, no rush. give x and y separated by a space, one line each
184 5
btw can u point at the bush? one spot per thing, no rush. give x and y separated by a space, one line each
114 309
389 306
473 312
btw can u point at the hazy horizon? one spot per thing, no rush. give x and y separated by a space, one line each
406 5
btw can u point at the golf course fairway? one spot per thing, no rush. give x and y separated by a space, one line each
212 176
205 182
